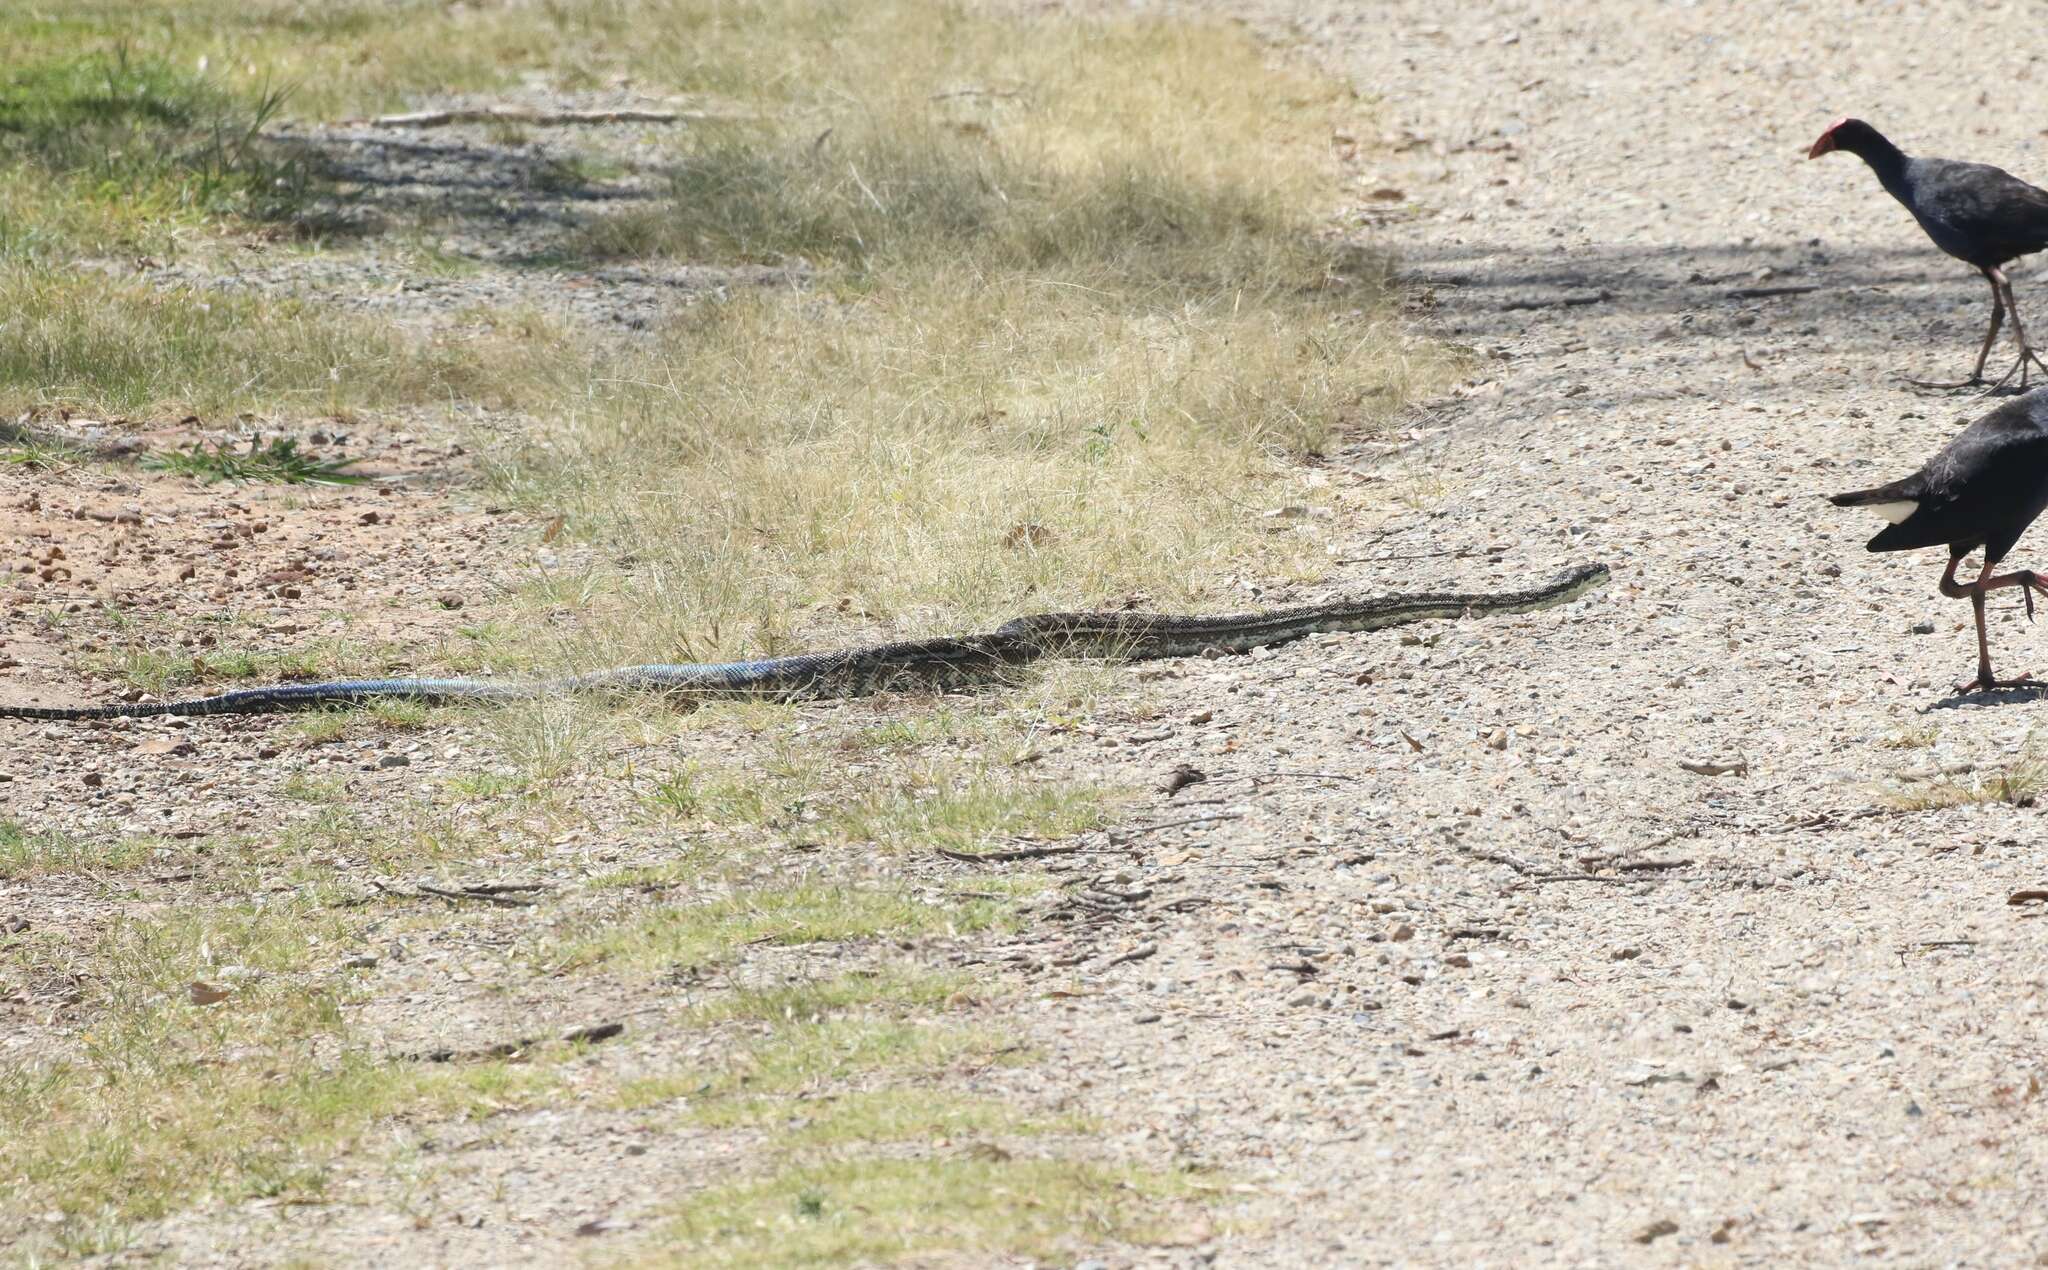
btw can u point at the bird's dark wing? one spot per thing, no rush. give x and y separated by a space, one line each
1994 472
1983 214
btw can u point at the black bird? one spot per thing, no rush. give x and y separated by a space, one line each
1982 490
1977 213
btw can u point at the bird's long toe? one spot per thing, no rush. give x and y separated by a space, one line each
1987 682
1973 381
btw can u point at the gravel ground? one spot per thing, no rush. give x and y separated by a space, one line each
1509 985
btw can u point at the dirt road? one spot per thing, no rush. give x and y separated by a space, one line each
1509 984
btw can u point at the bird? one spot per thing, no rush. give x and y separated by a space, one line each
1981 215
1981 490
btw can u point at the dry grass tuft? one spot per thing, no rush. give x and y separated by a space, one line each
2018 782
1070 322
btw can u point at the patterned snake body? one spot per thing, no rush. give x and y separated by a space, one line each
938 663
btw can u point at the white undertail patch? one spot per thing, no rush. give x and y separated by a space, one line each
1895 511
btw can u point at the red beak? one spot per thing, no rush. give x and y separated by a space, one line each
1822 146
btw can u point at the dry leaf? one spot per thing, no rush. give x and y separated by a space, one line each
1028 534
203 993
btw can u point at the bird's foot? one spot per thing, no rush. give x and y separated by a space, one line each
1972 382
1987 682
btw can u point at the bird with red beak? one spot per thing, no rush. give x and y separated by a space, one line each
1982 215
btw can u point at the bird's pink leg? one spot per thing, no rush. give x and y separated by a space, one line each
2026 578
2027 353
1984 352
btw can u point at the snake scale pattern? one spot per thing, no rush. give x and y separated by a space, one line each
966 661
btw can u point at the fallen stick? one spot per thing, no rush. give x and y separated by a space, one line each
1765 293
1175 824
1740 767
506 1049
538 118
1139 953
481 894
1003 857
1500 857
1560 302
1585 877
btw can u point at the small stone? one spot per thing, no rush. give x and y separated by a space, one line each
1657 1230
394 760
1402 933
1921 628
602 1226
1306 996
1499 739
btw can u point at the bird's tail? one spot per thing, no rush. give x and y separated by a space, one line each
1891 493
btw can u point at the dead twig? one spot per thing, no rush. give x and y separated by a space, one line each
1611 857
1829 819
1522 867
539 118
1456 553
1643 866
480 894
501 894
1586 877
1004 93
1139 953
1014 853
1558 302
1766 293
1715 767
507 1049
1175 824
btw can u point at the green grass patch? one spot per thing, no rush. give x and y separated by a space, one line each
707 930
91 343
102 150
157 670
278 460
813 1055
869 1210
2019 783
26 853
967 811
161 1102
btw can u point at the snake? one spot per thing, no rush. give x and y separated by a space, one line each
952 663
